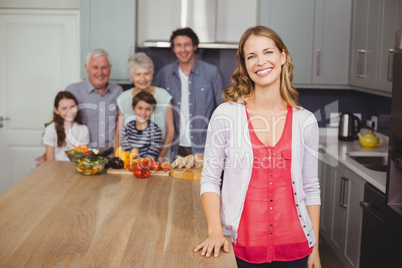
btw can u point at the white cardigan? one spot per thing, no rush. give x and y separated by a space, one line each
228 147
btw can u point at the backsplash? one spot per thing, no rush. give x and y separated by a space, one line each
319 101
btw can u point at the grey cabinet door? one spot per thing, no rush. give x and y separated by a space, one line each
109 25
342 215
391 21
326 176
294 22
339 213
317 34
332 42
351 254
365 29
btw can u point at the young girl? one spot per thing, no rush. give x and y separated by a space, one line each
269 198
142 133
66 128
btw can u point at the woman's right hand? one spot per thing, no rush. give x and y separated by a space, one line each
213 243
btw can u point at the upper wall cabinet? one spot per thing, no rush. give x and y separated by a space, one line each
373 36
109 25
317 34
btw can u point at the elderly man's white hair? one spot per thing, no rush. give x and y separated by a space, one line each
96 53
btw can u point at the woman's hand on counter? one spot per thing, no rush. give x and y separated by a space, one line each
214 242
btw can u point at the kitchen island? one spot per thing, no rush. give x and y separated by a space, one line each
56 217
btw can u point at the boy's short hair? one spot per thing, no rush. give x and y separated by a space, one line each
144 96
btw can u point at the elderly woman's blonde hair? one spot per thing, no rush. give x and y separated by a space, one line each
139 59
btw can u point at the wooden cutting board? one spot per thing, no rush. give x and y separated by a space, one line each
127 172
189 174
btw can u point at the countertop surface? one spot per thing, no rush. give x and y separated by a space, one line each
56 217
334 151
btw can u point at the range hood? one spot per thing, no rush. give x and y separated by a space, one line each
208 18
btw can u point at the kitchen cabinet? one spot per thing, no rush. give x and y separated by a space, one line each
341 220
320 45
373 34
109 25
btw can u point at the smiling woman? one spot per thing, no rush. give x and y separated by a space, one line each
253 202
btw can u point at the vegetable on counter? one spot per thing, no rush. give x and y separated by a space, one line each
116 163
89 165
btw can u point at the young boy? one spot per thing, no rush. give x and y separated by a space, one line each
142 133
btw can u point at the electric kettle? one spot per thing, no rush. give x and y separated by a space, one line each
349 126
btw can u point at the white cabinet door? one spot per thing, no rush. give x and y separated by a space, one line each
39 52
332 42
109 25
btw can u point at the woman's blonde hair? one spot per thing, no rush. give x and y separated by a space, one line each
243 86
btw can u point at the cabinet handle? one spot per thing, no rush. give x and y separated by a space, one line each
343 192
360 63
318 62
390 64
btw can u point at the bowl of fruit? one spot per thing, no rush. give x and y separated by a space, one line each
80 152
90 164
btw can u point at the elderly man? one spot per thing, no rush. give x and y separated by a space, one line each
196 88
97 99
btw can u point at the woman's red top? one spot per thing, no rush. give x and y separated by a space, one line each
269 228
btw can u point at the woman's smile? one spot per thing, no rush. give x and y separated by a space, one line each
264 72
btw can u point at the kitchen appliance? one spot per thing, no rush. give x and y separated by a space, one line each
213 21
349 126
381 241
394 176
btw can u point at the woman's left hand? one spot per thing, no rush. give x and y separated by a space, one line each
314 259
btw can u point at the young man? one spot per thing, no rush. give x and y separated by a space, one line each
196 88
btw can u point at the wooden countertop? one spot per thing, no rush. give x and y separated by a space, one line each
58 217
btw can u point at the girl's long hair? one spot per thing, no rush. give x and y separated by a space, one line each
58 121
243 86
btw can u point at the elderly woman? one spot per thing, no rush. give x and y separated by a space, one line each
141 69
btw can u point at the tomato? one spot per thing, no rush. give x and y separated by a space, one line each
88 153
145 162
141 171
155 166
